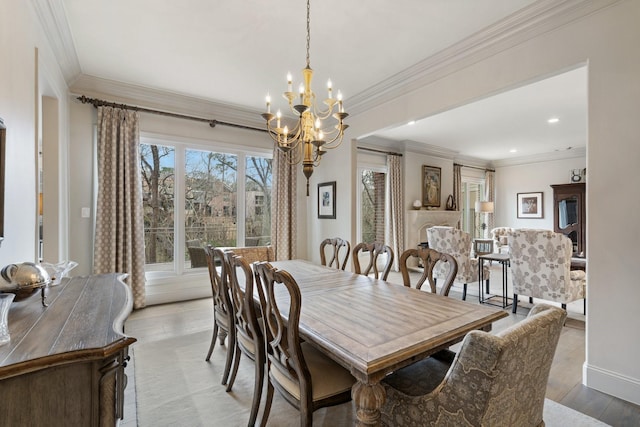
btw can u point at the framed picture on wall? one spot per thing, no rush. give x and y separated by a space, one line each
431 180
327 200
530 205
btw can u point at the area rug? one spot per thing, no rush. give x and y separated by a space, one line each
175 386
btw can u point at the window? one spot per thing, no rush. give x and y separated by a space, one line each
372 205
472 192
205 182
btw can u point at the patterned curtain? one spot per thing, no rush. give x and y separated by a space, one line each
395 229
283 207
119 234
490 196
457 188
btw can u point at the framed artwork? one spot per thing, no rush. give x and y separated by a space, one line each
530 205
431 180
327 200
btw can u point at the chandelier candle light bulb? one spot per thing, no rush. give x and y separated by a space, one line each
306 143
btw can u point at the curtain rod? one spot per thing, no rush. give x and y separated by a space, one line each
474 167
379 151
212 122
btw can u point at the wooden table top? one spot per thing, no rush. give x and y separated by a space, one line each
373 327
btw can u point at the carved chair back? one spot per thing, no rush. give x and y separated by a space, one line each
429 258
377 252
339 249
222 307
249 337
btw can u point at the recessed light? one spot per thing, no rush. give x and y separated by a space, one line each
553 120
412 122
513 150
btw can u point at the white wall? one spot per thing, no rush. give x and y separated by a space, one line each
27 64
606 40
533 177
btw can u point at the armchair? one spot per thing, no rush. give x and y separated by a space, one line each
499 236
494 380
456 243
541 267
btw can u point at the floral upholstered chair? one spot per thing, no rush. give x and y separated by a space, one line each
541 267
456 243
499 236
494 380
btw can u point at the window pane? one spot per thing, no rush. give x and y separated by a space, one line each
158 176
210 200
258 201
372 209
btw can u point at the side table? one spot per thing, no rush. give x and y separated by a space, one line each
505 260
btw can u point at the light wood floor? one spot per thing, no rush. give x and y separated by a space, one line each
565 382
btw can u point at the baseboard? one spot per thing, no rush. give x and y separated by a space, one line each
611 383
182 288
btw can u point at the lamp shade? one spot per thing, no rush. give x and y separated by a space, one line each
484 207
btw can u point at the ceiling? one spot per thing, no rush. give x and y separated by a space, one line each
236 52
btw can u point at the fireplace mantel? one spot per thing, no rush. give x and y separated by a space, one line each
420 220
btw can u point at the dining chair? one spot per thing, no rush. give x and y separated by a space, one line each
458 244
378 253
429 258
494 380
540 264
249 337
222 308
339 250
304 376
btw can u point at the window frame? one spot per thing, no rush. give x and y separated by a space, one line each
180 145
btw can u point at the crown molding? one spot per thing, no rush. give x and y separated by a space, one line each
115 91
536 19
53 20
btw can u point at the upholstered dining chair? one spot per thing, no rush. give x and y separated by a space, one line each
305 377
222 308
249 337
494 380
541 267
429 258
458 244
339 250
378 253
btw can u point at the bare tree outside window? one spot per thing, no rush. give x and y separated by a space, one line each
210 185
258 201
158 177
372 206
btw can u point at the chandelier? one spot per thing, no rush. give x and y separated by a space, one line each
307 141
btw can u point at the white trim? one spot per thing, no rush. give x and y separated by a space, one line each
612 383
539 18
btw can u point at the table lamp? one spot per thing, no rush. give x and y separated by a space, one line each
481 208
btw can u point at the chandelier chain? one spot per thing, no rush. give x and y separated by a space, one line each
308 30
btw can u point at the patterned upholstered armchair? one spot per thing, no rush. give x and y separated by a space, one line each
541 267
456 243
499 236
494 380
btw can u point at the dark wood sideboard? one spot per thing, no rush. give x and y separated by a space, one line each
64 365
570 214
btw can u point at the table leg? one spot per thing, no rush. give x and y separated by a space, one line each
368 399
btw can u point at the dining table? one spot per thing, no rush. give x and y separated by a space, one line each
373 327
